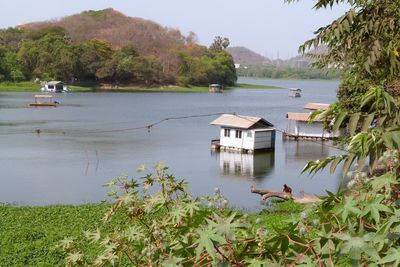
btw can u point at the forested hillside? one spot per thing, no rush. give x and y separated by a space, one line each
107 46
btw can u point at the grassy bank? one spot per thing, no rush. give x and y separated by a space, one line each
255 86
33 87
29 235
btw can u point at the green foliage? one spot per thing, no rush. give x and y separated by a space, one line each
219 44
165 225
48 53
287 73
205 67
373 130
30 235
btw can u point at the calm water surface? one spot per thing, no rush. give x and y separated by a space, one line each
78 148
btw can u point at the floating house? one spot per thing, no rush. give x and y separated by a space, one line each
215 88
43 101
54 87
300 126
244 134
316 106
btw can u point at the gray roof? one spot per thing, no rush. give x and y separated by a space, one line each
54 82
316 106
240 121
295 116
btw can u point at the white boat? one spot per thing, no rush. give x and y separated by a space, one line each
294 92
54 87
43 101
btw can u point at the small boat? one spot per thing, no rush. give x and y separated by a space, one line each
54 87
215 88
43 101
294 92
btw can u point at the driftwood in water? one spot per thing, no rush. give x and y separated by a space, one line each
305 198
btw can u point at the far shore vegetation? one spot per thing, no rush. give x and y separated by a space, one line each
289 73
34 87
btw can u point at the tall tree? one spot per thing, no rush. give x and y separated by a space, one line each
219 44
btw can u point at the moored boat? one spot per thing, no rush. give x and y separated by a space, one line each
43 101
294 92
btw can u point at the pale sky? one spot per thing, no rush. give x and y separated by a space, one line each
268 27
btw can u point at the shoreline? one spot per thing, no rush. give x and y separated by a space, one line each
33 87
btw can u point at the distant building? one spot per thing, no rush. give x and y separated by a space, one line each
300 126
54 87
215 88
237 65
244 133
316 106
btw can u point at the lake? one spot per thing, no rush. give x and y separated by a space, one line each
91 138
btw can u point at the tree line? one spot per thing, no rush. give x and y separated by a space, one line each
288 73
50 54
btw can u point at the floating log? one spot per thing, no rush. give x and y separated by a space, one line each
304 199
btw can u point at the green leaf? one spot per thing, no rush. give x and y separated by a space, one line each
374 207
392 256
382 182
334 164
347 163
367 122
224 226
353 122
206 239
349 206
339 120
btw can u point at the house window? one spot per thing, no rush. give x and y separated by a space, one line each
238 134
227 132
249 134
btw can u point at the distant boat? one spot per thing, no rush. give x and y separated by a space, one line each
54 87
294 92
215 88
40 101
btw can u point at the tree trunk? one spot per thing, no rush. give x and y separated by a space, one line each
265 194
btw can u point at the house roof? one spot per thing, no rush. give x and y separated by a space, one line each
300 116
43 96
54 82
240 121
316 106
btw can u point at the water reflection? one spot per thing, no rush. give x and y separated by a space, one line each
306 150
256 166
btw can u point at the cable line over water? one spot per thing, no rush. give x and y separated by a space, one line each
147 127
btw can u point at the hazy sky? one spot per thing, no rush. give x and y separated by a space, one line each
269 27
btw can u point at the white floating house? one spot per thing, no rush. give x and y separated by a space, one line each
54 87
215 88
316 106
300 126
244 134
